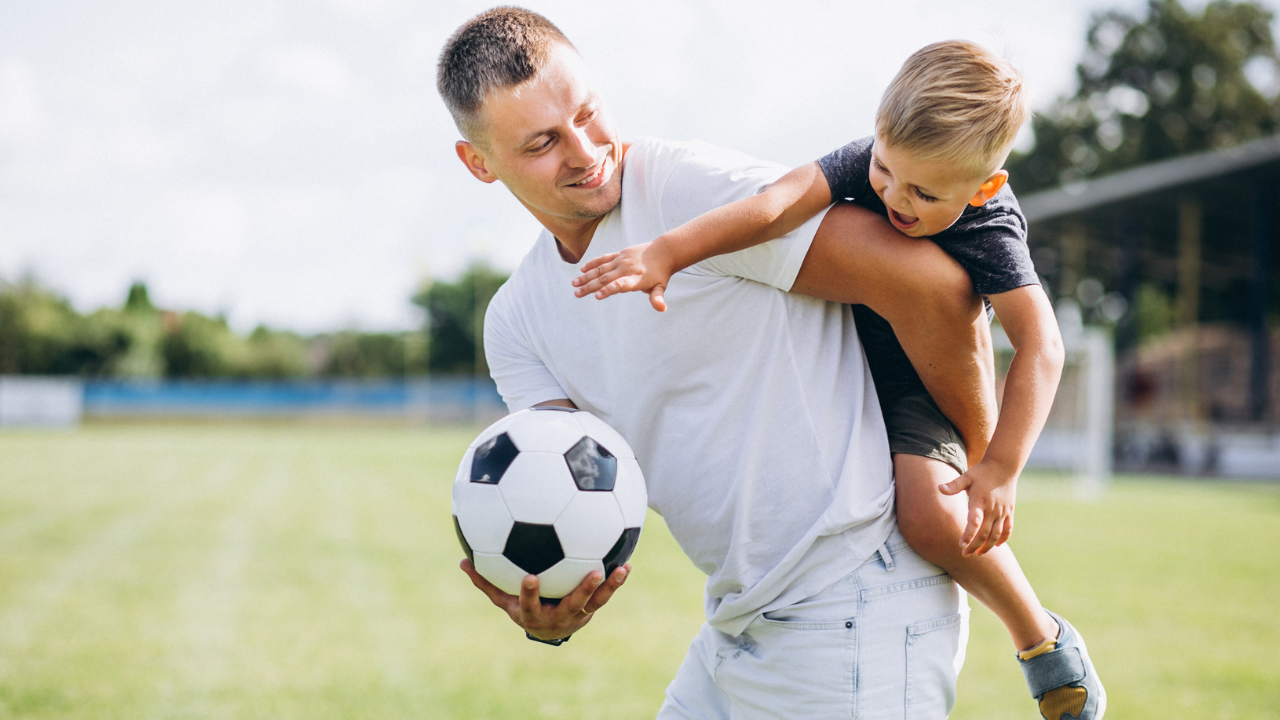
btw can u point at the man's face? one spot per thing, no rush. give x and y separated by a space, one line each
924 197
552 144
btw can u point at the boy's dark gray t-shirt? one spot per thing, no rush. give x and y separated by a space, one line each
989 242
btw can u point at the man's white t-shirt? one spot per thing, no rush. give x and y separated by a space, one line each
750 409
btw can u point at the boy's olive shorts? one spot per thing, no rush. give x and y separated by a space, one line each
917 427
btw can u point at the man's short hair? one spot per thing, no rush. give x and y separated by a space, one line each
954 102
499 48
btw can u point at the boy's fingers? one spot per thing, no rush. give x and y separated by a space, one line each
597 262
656 300
621 285
983 536
975 522
955 486
1005 531
597 283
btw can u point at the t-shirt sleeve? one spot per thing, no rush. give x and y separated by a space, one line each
846 170
522 378
705 181
991 245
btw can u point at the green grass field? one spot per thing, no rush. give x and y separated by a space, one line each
310 571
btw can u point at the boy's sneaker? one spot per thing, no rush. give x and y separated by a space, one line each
1061 677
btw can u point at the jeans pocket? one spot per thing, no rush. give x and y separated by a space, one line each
788 669
932 648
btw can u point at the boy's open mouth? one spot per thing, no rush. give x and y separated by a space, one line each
903 222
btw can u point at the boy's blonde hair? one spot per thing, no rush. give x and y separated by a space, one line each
954 102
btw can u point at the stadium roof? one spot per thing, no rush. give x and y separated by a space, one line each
1150 178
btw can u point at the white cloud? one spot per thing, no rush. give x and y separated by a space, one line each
315 69
21 117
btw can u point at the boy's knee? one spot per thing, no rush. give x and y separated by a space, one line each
929 540
931 529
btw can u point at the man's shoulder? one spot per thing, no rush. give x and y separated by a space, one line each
660 158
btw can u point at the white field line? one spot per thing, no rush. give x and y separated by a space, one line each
209 606
22 620
394 633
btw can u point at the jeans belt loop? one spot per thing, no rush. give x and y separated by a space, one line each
886 557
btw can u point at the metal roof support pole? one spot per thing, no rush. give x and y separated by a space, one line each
1074 262
1260 231
1130 233
1190 229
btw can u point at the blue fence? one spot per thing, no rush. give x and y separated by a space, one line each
434 398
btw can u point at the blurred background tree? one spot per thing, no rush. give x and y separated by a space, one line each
455 319
42 334
1154 87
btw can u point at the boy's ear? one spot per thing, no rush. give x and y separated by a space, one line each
474 161
989 188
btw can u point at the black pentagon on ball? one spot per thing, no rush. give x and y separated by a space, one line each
533 548
466 547
593 467
492 459
621 551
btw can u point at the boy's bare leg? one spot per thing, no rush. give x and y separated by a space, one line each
932 524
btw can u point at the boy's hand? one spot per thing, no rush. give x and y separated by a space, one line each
647 268
992 493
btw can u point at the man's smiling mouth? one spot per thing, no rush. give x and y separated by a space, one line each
591 180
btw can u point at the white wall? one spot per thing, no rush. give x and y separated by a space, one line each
40 401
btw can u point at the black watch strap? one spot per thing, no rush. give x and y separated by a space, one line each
555 643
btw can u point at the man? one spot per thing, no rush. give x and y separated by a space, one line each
748 402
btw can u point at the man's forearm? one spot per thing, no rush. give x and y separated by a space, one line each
857 257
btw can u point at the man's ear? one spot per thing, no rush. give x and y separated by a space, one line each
989 188
474 161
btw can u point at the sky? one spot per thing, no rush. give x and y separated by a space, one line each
289 163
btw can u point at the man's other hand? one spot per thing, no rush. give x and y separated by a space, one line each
547 621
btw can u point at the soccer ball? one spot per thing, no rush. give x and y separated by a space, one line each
551 492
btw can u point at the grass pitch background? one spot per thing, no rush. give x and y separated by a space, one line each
304 571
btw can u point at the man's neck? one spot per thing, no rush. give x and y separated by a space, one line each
573 241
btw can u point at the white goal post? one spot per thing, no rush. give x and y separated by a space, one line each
1079 436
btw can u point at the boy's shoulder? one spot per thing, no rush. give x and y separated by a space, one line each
990 242
846 169
1001 216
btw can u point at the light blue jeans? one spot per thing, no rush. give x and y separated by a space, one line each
886 641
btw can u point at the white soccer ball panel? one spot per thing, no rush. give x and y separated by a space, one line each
589 526
630 492
565 576
494 430
484 518
550 431
500 571
463 476
606 436
537 487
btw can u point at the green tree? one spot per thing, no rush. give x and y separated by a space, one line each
1167 84
455 319
41 333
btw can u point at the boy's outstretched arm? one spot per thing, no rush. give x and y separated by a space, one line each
1028 320
777 210
857 257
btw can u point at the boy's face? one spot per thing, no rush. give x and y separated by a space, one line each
924 197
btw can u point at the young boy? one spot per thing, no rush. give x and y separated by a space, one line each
943 130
